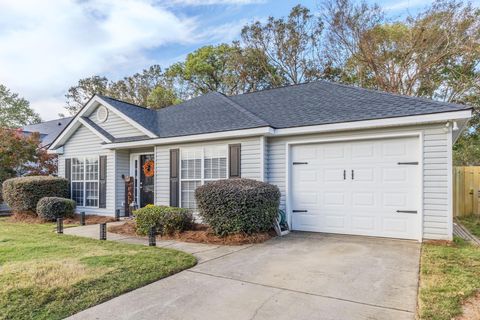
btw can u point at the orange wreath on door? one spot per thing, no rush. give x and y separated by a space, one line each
149 168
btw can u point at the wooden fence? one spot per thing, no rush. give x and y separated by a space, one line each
466 194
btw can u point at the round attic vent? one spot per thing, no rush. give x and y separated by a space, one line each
102 114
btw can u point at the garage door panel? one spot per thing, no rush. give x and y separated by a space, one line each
363 151
364 223
365 204
364 199
333 152
363 175
395 200
332 198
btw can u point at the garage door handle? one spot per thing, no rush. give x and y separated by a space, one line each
408 163
407 211
297 163
299 210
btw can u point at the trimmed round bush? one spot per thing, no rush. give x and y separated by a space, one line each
51 208
165 219
22 194
238 205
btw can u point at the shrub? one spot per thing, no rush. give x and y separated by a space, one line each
51 208
165 219
22 194
238 205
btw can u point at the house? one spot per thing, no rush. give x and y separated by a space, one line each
47 130
347 160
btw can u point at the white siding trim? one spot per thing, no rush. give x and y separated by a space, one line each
262 158
205 138
450 183
377 123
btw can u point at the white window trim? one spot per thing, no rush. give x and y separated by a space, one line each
202 167
84 181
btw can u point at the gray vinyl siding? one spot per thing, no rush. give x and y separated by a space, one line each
116 126
250 163
85 143
122 158
436 165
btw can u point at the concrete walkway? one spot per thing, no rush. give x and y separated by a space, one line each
203 252
299 276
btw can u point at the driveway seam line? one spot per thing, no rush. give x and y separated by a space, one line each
301 292
226 254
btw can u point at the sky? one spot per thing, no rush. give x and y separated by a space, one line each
47 46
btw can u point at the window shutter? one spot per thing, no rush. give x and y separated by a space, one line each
102 178
174 177
234 151
68 174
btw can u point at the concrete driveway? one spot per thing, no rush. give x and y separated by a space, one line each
299 276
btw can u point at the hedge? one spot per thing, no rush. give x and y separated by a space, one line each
51 208
22 194
238 205
165 219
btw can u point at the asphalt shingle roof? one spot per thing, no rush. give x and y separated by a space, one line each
314 103
48 130
323 102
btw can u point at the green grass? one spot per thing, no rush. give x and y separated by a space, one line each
472 223
450 273
48 276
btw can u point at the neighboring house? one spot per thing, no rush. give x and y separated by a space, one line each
48 130
347 160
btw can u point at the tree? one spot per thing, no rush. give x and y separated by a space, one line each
434 54
15 112
229 69
292 44
161 97
78 95
137 88
133 89
16 150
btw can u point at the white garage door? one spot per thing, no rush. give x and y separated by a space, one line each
369 187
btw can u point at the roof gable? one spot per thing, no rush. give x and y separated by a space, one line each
116 126
81 119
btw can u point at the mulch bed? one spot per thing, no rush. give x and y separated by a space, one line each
89 219
199 234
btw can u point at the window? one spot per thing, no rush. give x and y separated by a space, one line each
198 166
85 174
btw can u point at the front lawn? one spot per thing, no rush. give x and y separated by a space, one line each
48 276
472 223
450 273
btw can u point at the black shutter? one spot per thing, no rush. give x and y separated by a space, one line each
102 177
68 174
174 177
234 151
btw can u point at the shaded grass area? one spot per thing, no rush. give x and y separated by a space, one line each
48 276
450 273
472 223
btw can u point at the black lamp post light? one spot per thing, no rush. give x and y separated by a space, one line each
152 240
82 218
60 225
103 231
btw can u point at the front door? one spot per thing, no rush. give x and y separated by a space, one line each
146 181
